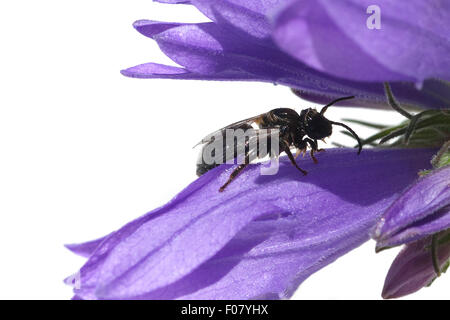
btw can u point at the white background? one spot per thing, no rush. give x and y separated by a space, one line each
84 150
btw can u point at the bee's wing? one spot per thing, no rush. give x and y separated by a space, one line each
261 143
243 124
256 143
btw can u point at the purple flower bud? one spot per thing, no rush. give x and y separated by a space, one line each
422 210
413 268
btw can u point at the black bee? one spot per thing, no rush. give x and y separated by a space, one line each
294 130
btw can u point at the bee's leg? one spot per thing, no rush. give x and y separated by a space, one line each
318 150
314 148
234 174
291 157
301 149
238 169
313 157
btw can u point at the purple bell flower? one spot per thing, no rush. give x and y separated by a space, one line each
260 238
323 48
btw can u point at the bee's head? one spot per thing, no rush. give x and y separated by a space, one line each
316 126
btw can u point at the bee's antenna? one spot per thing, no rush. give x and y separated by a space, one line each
333 102
351 131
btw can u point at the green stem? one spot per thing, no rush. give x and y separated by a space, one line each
393 103
437 158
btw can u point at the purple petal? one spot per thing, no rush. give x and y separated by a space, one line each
151 28
413 43
174 1
155 70
421 210
87 248
260 238
250 17
266 260
413 269
209 51
431 224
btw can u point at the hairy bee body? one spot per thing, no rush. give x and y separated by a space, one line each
294 130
